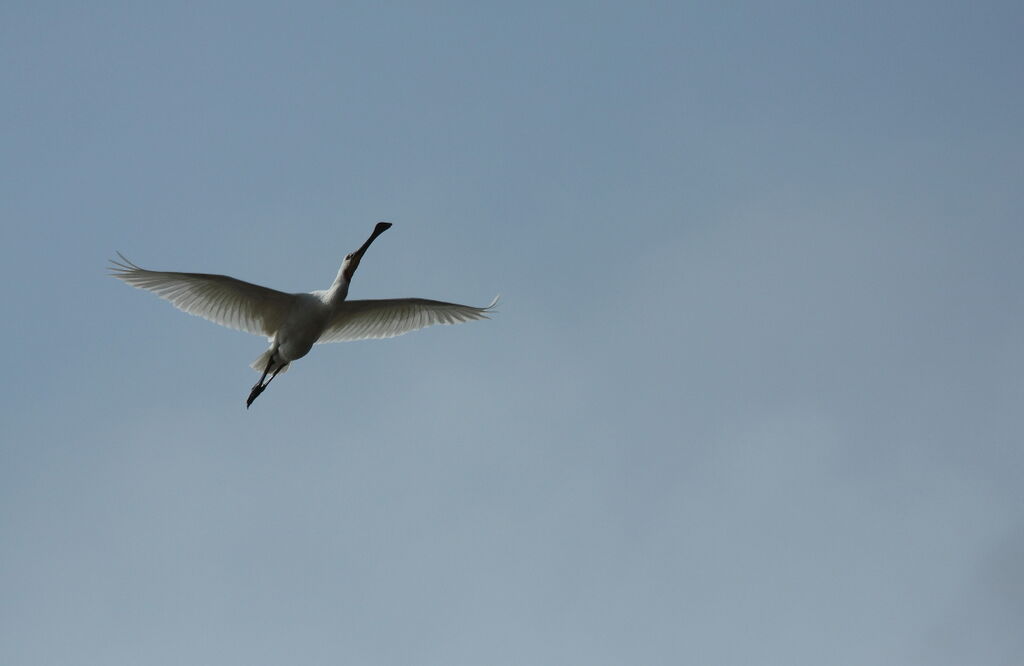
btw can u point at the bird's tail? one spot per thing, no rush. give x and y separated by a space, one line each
260 364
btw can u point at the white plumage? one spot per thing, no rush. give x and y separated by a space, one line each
295 322
386 318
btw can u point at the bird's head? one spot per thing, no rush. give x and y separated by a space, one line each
351 263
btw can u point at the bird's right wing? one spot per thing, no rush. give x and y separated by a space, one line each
388 317
221 299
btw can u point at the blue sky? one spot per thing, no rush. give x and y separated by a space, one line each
752 395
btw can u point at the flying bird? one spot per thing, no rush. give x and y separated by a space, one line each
295 322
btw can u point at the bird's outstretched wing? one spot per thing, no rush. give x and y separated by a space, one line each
386 318
219 298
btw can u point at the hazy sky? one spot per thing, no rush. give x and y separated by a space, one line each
753 395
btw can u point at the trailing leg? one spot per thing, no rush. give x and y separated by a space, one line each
260 386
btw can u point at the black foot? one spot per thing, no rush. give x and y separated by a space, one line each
255 393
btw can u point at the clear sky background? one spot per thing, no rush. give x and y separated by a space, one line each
753 395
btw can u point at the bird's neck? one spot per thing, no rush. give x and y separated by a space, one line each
338 291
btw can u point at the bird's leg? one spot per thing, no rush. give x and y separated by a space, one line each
270 362
260 386
276 370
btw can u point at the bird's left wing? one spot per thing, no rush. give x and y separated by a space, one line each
386 318
221 299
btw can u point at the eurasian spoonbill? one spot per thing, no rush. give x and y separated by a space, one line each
295 322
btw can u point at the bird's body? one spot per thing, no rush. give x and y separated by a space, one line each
295 322
302 327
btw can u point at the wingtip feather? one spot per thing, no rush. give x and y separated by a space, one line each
119 267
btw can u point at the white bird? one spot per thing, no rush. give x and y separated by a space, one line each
295 322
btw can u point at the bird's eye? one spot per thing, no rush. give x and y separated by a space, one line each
348 256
